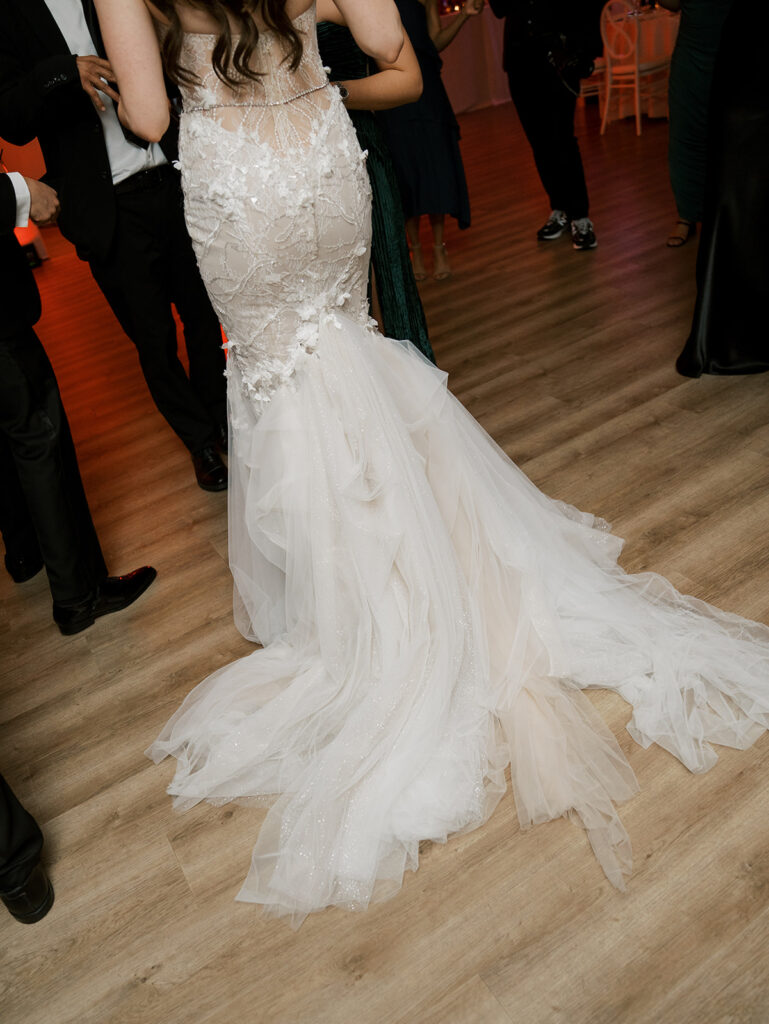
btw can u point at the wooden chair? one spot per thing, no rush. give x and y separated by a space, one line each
595 85
624 68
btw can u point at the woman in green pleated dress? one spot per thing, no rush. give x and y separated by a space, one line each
368 89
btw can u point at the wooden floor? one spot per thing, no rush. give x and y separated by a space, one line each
568 360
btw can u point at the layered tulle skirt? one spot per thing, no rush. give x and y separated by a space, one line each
430 618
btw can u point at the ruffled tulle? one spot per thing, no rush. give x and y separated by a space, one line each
429 618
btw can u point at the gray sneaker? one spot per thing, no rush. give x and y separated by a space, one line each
556 224
582 234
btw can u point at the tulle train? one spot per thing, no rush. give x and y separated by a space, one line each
429 618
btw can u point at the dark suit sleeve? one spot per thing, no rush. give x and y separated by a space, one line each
7 205
500 8
28 91
584 29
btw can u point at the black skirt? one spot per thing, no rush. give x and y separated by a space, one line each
729 332
423 137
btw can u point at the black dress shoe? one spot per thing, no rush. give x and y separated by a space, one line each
112 595
32 900
210 471
23 567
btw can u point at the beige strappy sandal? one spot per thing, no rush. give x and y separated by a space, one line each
441 267
681 233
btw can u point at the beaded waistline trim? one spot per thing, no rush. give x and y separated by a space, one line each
275 103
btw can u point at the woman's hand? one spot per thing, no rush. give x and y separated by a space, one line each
442 33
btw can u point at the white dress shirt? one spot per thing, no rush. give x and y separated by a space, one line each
23 198
125 159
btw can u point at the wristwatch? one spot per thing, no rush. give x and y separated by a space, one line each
343 92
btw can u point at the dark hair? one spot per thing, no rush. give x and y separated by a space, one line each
230 62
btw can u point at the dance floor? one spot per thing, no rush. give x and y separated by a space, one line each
567 359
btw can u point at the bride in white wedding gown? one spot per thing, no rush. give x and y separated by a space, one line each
427 616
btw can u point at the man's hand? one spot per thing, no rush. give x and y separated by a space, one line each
472 7
44 203
96 73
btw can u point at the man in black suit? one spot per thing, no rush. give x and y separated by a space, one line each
549 45
24 886
44 514
121 205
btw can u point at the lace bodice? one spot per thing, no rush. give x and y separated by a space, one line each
277 203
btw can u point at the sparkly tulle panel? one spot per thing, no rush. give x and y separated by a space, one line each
429 619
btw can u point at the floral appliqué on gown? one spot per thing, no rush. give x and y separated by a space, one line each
428 617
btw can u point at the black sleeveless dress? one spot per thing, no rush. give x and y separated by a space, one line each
424 136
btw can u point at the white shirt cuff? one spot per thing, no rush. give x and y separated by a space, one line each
23 198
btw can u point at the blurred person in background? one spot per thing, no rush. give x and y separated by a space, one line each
549 46
729 332
424 137
691 75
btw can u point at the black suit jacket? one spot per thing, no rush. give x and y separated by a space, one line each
19 297
527 21
41 97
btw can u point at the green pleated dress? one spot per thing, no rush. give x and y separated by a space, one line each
402 313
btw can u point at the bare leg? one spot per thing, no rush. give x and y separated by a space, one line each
441 268
417 259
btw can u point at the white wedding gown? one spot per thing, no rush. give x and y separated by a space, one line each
428 616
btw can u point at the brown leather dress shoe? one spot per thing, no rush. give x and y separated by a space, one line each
112 595
32 900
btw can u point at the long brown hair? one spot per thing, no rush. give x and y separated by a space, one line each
232 52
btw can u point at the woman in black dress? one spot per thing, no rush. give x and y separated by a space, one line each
691 75
729 333
424 136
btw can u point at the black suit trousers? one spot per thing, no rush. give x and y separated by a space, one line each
150 265
21 840
546 111
43 506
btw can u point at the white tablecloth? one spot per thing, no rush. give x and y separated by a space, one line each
472 64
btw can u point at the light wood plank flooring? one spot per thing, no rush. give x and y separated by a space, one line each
568 360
